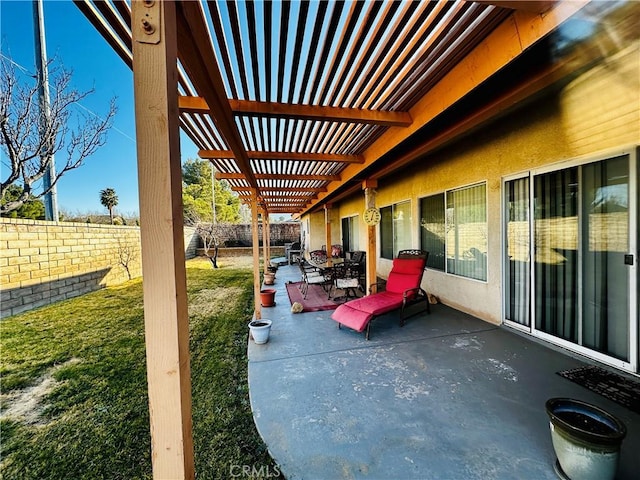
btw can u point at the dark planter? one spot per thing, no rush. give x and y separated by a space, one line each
586 439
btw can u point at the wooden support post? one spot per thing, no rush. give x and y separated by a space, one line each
268 224
163 261
327 231
257 283
369 187
265 240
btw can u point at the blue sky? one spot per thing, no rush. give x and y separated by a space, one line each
72 41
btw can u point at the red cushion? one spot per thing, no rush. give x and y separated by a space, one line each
398 282
378 303
408 265
352 318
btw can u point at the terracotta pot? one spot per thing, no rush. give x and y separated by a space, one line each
267 297
269 278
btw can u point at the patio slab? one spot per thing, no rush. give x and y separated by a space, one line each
447 396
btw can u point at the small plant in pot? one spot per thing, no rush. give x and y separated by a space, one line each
259 330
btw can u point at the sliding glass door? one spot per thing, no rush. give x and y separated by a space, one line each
556 253
518 251
577 284
605 241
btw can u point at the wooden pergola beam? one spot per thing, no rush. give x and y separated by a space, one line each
535 6
293 156
303 112
199 61
264 190
269 176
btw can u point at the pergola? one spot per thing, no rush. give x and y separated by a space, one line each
296 105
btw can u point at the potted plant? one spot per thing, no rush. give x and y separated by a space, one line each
267 296
260 330
585 438
269 278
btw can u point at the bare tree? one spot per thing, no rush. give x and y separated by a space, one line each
210 235
127 254
30 144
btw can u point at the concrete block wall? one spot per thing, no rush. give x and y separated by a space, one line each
43 262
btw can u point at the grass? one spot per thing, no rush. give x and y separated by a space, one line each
84 360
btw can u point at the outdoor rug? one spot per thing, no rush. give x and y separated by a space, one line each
622 390
316 298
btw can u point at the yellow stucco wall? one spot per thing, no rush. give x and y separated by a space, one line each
597 112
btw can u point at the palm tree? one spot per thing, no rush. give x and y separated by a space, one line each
109 199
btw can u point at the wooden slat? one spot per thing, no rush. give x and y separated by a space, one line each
101 25
293 156
416 38
393 42
313 47
120 25
297 49
219 31
356 47
359 75
327 46
199 61
498 49
237 43
344 40
253 47
285 10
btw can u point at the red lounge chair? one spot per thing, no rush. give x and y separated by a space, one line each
402 289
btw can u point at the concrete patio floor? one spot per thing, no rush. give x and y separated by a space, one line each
447 396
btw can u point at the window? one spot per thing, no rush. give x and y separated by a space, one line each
350 241
456 236
432 230
395 229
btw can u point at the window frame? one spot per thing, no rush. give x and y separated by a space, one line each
383 250
446 194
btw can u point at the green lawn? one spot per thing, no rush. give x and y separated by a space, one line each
77 371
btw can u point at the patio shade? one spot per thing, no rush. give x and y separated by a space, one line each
299 100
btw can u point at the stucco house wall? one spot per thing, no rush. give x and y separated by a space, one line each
599 111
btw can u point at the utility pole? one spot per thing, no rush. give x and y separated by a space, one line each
51 198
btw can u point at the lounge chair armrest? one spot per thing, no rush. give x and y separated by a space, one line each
374 287
419 292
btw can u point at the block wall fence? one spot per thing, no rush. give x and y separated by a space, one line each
43 262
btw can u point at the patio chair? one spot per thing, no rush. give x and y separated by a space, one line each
356 261
312 276
345 277
402 289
